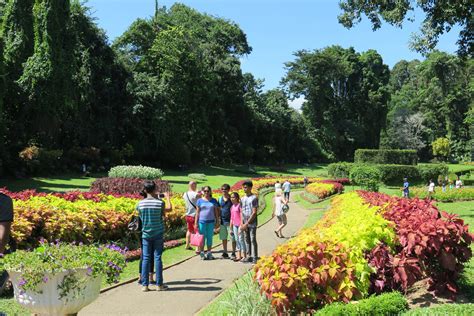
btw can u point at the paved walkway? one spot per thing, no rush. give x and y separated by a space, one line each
194 283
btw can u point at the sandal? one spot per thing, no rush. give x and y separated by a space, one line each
276 233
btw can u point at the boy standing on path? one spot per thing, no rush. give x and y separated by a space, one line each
249 221
286 190
225 204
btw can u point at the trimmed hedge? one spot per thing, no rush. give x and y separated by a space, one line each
394 174
386 156
140 172
385 304
125 185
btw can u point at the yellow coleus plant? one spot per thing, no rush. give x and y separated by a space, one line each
325 263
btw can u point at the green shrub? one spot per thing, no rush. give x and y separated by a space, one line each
140 172
432 171
385 304
451 195
446 309
394 174
340 169
197 176
386 156
366 176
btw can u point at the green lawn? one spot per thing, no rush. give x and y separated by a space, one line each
215 177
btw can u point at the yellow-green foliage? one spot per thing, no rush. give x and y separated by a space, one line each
359 227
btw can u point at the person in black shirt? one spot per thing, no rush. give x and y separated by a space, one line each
6 220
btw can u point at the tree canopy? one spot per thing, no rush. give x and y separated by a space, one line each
441 17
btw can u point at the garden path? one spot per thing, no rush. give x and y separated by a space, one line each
193 283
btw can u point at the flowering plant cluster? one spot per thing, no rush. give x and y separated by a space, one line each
325 263
324 188
429 243
461 194
367 242
77 216
52 258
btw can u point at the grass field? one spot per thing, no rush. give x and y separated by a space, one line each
215 177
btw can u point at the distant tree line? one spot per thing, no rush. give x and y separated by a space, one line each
171 91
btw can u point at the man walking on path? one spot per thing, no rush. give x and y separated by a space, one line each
286 190
249 221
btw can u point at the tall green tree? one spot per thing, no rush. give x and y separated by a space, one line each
440 17
346 96
18 40
46 75
439 89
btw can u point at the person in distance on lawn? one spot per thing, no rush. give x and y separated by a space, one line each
190 199
431 189
152 211
278 202
235 224
406 188
225 204
249 221
206 219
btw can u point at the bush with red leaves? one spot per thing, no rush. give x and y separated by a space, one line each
125 185
431 243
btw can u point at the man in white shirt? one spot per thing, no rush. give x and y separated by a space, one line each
458 183
190 198
286 189
431 189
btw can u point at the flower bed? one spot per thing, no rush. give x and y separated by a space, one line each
367 242
323 189
461 194
77 216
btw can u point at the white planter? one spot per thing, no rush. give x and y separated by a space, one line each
49 302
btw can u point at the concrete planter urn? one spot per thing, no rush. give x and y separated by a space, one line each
63 293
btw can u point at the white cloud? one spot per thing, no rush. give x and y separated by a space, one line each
297 103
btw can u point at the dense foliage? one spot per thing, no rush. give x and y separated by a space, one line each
78 216
386 156
381 305
450 195
392 174
366 243
440 17
173 83
430 243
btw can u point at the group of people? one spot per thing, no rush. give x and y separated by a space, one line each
431 186
232 216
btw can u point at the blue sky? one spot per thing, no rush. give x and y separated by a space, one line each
277 28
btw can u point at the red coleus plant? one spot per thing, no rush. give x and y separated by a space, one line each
431 243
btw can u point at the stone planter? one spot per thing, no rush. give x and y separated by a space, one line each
62 294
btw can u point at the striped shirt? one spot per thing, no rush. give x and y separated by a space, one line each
150 211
